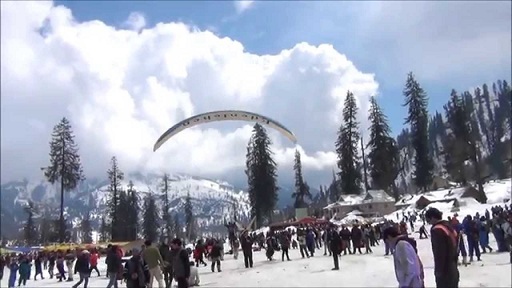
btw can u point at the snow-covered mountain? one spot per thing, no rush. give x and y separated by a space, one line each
213 200
484 106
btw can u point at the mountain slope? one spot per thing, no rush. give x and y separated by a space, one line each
213 201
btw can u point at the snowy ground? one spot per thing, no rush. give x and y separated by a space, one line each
355 271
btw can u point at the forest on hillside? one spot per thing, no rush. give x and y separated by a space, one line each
467 143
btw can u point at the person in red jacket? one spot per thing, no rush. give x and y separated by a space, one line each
94 263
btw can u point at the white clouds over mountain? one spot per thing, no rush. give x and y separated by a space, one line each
121 89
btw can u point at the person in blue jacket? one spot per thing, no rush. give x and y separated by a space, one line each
483 233
14 271
472 235
310 241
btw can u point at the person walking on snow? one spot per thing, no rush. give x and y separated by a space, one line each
83 269
408 266
444 249
335 242
472 234
154 260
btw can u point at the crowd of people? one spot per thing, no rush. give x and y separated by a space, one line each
163 263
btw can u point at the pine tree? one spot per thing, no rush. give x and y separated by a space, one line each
45 227
115 176
65 166
133 214
384 153
189 218
86 228
150 218
124 224
497 150
457 143
301 189
30 227
166 215
334 189
417 102
261 176
104 237
346 148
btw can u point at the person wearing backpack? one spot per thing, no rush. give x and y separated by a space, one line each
408 267
444 248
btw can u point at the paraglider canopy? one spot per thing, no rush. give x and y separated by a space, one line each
224 115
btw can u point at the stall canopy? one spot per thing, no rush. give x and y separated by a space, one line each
304 221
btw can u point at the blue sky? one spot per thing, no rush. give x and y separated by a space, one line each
269 27
116 83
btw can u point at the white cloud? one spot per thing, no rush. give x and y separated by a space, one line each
135 21
242 6
121 89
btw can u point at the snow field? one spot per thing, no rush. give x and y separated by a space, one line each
371 270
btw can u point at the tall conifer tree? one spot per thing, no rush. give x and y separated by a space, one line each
346 148
65 166
115 177
261 176
384 154
417 103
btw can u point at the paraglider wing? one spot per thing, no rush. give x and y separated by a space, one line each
227 115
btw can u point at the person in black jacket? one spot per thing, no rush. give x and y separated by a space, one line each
113 262
215 254
82 268
357 238
246 243
166 254
445 250
181 264
335 246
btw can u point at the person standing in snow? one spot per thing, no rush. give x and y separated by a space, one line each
24 271
154 260
70 259
38 265
408 266
301 238
113 261
246 243
444 249
310 241
215 255
285 245
345 235
13 267
357 238
93 261
459 229
335 243
135 274
181 264
325 238
83 269
471 231
483 234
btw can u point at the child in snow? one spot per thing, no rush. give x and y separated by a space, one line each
12 275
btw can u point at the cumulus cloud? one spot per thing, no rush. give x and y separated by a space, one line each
242 6
443 42
135 21
121 89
